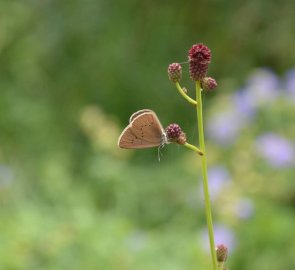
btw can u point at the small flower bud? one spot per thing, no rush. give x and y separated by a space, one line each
175 134
181 138
174 72
173 131
221 253
209 83
199 57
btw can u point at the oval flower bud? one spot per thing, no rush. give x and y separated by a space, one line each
221 253
199 57
175 134
209 83
174 72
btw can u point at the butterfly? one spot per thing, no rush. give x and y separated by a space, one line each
144 131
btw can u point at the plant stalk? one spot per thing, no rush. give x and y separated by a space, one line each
194 148
205 174
180 90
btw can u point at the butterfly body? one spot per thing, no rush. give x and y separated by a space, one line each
144 131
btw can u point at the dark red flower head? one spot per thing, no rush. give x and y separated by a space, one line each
199 57
175 134
173 131
199 53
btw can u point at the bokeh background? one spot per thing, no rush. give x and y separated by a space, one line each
71 74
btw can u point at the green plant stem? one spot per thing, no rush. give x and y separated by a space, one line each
220 265
180 90
205 175
194 148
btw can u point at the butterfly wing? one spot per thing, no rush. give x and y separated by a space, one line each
144 131
138 113
148 127
129 140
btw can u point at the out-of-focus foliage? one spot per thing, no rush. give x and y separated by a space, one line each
71 73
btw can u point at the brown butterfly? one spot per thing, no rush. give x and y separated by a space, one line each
144 131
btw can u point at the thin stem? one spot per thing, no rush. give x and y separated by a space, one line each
194 148
205 175
180 90
220 265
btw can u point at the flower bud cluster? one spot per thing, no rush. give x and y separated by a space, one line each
199 58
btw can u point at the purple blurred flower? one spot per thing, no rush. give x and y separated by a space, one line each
218 178
263 86
244 103
261 89
290 82
224 127
276 150
244 208
223 235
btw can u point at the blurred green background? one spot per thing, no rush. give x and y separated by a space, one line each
71 74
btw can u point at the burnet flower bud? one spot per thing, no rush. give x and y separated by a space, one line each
199 57
174 72
181 138
173 131
221 253
175 134
209 83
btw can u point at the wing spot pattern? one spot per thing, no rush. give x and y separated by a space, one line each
133 139
145 125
